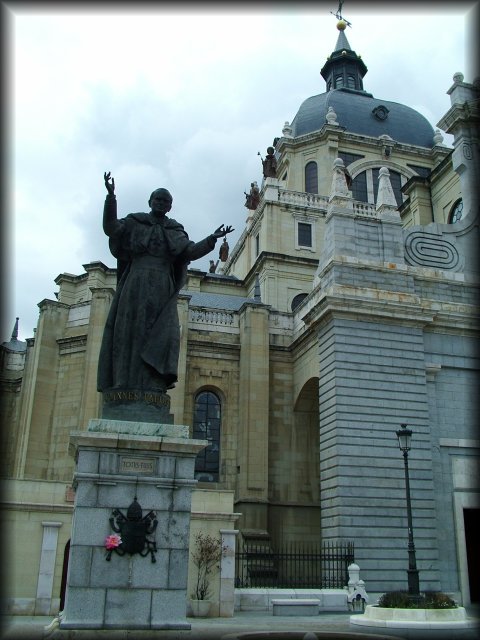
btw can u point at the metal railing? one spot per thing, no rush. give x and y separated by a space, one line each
296 565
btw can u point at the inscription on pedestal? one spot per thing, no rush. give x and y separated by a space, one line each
137 465
136 405
125 395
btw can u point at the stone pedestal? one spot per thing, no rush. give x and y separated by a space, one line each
118 461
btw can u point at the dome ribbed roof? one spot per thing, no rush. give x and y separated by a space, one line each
355 112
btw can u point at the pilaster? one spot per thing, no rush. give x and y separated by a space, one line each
177 394
252 466
90 406
227 573
44 600
36 414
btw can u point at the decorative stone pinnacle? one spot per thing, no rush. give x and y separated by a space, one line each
339 181
331 117
287 130
385 197
438 137
15 330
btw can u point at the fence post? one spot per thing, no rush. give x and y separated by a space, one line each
357 596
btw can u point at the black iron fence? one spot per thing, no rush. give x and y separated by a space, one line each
295 565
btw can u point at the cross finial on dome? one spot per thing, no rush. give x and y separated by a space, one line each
342 23
344 68
342 42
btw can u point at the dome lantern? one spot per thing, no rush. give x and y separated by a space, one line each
344 69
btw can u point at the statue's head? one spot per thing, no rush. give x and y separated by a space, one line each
160 200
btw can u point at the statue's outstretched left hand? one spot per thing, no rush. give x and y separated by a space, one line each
222 231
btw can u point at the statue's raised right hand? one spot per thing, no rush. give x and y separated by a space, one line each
110 187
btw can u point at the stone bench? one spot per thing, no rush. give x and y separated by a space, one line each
296 607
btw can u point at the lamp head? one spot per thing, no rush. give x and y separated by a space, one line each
404 436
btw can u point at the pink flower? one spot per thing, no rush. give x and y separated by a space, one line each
113 541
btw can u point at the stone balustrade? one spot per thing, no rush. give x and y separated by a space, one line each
364 209
213 317
301 199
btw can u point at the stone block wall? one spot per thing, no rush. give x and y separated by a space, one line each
372 380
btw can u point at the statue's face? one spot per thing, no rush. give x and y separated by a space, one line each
160 202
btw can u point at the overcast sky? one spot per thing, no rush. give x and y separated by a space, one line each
182 99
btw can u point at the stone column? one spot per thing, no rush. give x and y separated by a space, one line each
43 601
227 573
118 462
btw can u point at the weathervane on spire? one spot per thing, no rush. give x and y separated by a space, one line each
339 16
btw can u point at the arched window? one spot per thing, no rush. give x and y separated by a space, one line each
350 82
311 177
456 212
298 299
206 426
365 186
338 82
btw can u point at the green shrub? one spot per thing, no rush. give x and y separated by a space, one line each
396 600
438 600
427 600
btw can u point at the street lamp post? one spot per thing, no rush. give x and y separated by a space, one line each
404 436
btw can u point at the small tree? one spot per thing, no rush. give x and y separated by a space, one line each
207 554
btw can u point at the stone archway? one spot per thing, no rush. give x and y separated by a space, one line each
294 514
305 443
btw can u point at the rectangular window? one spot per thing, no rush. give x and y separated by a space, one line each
257 244
304 234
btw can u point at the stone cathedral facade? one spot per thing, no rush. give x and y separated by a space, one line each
347 307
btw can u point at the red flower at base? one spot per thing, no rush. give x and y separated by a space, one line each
113 541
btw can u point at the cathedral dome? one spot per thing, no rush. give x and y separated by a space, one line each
359 112
354 109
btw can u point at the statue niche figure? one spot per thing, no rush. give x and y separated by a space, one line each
223 252
270 164
252 199
141 339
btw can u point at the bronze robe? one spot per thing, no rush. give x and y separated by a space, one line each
141 339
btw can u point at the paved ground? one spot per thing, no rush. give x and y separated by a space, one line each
326 625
